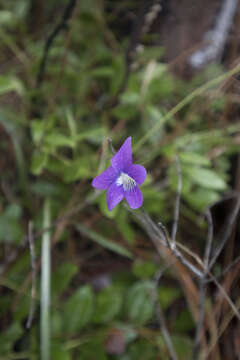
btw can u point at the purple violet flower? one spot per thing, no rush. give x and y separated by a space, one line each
122 179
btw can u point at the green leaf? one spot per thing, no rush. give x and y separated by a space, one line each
77 169
201 198
124 225
102 72
140 304
13 211
6 17
9 83
37 129
144 269
94 135
56 139
44 188
10 227
77 312
57 327
93 349
58 352
205 177
183 346
108 305
39 162
194 158
101 240
167 296
62 277
141 350
130 98
9 336
184 322
154 200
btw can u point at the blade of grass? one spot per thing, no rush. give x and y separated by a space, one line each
45 284
101 240
197 92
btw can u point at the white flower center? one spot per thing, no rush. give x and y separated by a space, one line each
126 181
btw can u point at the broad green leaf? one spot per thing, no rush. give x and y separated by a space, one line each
194 158
108 305
92 349
78 169
58 352
124 225
141 350
144 269
57 327
62 277
130 331
140 303
130 98
56 139
102 72
44 188
9 83
39 162
6 17
10 230
183 346
77 311
10 227
8 338
127 111
167 295
13 211
184 322
37 130
22 310
94 135
154 200
103 241
205 177
201 198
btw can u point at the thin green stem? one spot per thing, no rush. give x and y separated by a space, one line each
45 285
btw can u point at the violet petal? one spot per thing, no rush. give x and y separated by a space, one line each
104 180
123 158
134 197
114 195
138 173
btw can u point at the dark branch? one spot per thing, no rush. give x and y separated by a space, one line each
62 25
228 229
202 288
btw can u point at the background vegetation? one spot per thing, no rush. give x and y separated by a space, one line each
72 75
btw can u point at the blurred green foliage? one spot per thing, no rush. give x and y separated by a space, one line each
51 147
